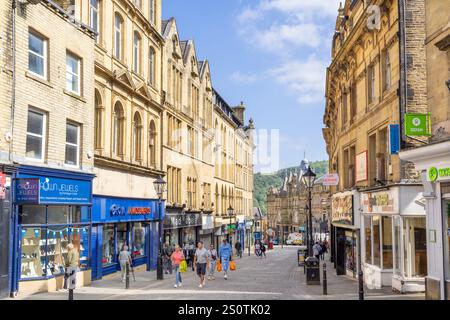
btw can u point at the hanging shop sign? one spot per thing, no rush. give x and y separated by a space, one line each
207 222
342 209
249 224
394 138
417 124
382 202
361 166
257 235
49 190
173 221
2 185
434 174
331 179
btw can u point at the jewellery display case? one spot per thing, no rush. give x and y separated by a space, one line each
32 261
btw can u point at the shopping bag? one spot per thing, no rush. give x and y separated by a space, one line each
183 266
232 265
219 266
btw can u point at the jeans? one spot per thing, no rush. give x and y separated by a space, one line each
177 274
212 268
167 264
123 269
225 261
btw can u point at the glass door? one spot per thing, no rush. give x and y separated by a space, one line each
446 224
122 236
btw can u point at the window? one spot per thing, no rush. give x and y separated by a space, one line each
152 11
137 137
344 108
152 66
108 242
72 144
35 135
94 21
191 141
353 102
371 84
376 241
152 143
73 73
386 70
138 230
118 127
98 121
189 193
387 242
37 55
136 52
138 3
118 30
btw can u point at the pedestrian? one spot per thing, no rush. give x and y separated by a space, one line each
186 254
225 254
167 252
192 255
263 250
201 262
316 250
176 258
212 257
124 260
323 251
257 248
238 248
72 261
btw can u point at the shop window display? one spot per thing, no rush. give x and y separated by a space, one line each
56 251
108 245
138 239
32 260
416 253
350 252
397 246
376 241
446 207
32 215
387 242
368 238
122 236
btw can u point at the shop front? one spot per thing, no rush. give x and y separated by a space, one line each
394 240
123 221
207 230
434 162
182 228
5 217
52 208
345 233
240 233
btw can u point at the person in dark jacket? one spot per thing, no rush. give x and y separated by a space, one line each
238 248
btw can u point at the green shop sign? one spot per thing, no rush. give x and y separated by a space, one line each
418 124
435 173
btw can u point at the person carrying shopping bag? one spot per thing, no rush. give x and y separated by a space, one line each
177 259
225 254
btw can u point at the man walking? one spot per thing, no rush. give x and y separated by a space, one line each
167 253
124 260
225 254
212 257
316 250
201 262
238 248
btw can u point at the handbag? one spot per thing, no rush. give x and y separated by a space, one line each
183 266
232 265
219 266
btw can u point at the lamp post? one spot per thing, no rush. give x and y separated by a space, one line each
160 187
230 212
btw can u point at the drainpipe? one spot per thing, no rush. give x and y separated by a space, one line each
13 86
403 85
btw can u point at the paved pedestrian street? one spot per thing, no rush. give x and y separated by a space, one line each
277 277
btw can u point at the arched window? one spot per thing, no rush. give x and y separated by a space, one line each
98 121
152 5
136 52
118 34
217 200
152 143
152 66
137 137
118 129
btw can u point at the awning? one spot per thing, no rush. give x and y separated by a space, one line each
344 226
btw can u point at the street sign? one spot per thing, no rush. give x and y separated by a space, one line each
331 179
394 138
257 235
418 124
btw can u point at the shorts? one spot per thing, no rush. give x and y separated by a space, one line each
201 269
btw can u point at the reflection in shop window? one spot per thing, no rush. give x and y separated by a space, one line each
387 242
416 252
368 238
32 214
108 244
138 239
397 246
376 240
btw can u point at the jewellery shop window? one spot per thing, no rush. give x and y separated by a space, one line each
138 238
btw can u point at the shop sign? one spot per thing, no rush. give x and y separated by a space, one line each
2 185
257 235
181 220
27 191
361 166
117 211
138 211
207 222
331 179
418 124
380 202
249 224
394 138
434 174
342 209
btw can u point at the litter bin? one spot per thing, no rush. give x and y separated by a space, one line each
301 255
312 271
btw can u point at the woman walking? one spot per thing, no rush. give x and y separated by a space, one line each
125 261
225 253
212 256
176 258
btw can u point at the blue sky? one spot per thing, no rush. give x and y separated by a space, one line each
271 54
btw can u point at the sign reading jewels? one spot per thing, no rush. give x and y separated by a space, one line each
52 191
173 221
342 209
380 202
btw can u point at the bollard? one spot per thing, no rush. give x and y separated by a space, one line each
361 285
70 294
325 289
127 279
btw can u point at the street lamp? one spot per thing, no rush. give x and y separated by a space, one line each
309 177
160 187
230 212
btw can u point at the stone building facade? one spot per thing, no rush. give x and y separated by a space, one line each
376 77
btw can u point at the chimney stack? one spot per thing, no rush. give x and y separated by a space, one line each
239 112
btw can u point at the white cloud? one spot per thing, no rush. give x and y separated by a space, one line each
305 78
321 8
243 78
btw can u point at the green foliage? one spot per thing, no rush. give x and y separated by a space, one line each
262 182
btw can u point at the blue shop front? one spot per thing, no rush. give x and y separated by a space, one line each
51 208
123 221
